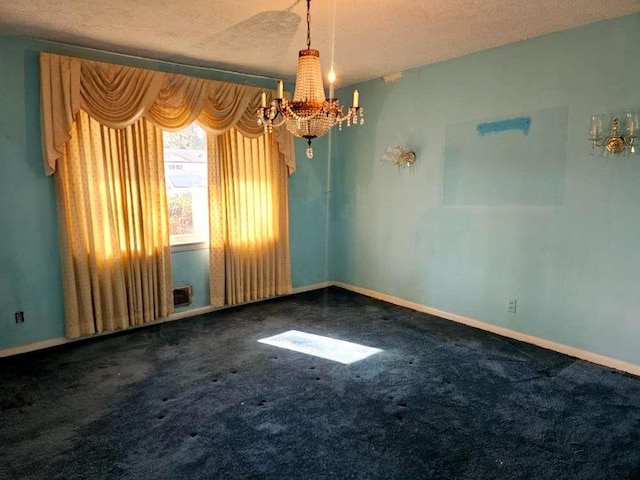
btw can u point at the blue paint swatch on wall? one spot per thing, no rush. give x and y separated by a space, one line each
519 123
524 164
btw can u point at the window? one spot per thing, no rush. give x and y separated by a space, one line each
185 166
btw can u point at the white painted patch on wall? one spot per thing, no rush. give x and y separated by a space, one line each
319 346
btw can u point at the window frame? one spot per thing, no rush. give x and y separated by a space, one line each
186 241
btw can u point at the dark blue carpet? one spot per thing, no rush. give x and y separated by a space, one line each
201 399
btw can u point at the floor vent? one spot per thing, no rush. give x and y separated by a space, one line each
182 296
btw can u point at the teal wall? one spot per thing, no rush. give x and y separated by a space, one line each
569 255
566 250
191 267
29 259
308 206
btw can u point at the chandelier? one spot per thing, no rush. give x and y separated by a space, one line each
309 115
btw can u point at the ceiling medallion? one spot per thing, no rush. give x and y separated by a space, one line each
309 115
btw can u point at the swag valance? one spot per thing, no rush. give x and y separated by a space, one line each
118 96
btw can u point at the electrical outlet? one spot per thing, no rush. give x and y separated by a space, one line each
512 306
19 317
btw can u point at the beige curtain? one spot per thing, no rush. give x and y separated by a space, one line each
117 96
113 227
249 221
112 202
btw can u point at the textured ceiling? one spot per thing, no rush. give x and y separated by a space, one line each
372 37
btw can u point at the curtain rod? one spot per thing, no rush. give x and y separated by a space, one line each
147 59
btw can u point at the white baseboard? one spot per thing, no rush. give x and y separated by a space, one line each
54 342
30 347
315 286
504 332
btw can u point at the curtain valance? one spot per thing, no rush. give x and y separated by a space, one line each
118 96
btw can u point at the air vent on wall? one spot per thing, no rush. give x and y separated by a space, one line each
182 295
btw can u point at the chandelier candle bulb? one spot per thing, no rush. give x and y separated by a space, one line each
596 126
332 78
332 75
356 98
632 121
280 89
263 100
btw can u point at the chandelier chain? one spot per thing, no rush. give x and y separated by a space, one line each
308 24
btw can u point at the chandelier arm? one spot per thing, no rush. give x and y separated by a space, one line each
352 113
342 117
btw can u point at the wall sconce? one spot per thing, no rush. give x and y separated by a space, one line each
622 133
399 156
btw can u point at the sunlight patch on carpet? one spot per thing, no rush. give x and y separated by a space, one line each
319 346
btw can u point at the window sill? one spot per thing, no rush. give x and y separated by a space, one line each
185 247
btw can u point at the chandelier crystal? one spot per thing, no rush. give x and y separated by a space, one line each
309 115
